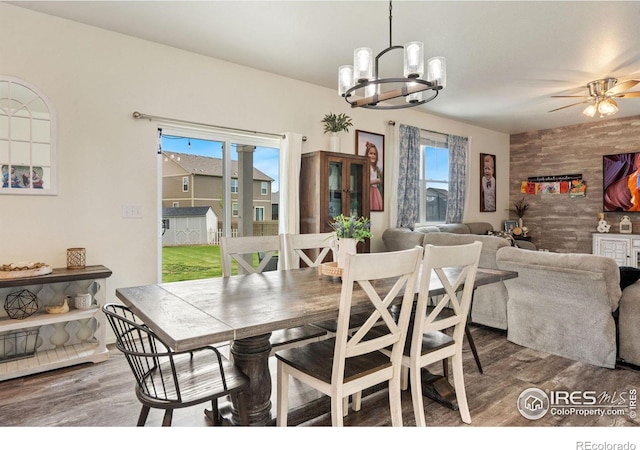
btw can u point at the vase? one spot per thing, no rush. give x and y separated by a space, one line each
520 222
345 246
334 142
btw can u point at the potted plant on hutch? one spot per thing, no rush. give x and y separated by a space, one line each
335 123
349 231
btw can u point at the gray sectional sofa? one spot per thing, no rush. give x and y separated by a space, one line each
563 304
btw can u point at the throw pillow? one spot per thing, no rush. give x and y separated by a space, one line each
628 276
503 235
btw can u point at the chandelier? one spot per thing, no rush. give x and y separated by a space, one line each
362 78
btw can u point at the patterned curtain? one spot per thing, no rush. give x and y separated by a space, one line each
409 176
458 150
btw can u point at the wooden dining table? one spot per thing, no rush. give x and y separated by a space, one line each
246 309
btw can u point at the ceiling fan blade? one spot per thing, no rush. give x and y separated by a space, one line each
569 96
569 106
619 88
629 95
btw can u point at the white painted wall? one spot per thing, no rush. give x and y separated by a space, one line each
96 79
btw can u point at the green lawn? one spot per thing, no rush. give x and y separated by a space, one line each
193 263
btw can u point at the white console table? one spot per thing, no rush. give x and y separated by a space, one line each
63 339
624 248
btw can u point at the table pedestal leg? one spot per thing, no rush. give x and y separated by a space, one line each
251 356
437 388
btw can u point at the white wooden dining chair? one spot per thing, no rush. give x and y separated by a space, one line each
347 363
427 342
242 249
317 246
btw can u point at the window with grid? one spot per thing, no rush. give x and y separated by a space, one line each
434 177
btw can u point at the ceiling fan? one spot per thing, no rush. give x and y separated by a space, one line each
601 96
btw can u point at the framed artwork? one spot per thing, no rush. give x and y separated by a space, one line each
509 225
487 182
372 146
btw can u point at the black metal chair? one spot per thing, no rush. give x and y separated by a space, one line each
166 379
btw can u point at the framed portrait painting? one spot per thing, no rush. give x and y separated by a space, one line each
487 182
371 145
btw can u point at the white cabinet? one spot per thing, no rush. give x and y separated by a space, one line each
75 337
624 248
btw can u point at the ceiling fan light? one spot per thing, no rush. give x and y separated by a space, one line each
590 110
607 107
437 70
413 60
345 79
362 65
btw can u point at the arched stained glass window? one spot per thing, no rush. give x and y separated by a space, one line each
27 139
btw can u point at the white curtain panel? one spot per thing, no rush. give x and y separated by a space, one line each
289 208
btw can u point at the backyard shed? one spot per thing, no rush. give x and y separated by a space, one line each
188 226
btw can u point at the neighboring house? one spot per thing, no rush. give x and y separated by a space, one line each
192 180
437 204
188 226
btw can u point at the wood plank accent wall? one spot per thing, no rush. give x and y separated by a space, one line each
556 222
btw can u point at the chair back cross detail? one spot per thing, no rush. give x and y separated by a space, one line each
237 248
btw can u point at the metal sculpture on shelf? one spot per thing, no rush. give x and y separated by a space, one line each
22 304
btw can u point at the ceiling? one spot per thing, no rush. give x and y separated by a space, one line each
504 59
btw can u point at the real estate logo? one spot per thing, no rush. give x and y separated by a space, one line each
533 403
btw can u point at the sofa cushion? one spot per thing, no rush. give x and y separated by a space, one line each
401 239
490 245
428 229
459 228
479 227
568 262
562 303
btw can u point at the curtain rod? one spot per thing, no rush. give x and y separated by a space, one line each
138 115
393 122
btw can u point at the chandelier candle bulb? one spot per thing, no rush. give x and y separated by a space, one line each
415 97
437 70
345 79
362 64
413 60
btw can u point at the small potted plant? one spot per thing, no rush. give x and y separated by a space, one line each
520 207
349 231
335 123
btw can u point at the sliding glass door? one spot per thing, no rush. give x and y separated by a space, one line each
213 185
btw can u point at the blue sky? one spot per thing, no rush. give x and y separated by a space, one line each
264 159
437 162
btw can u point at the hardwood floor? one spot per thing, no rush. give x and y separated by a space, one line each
93 395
